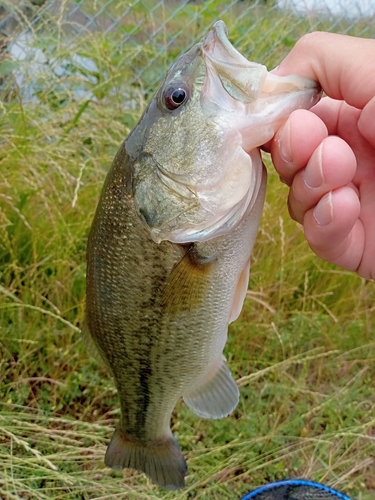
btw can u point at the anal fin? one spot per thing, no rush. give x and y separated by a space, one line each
161 461
217 396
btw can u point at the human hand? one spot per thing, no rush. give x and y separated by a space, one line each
327 155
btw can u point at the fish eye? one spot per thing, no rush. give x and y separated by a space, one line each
175 95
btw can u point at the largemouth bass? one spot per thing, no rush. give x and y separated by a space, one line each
168 255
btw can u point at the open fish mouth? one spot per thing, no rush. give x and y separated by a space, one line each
245 80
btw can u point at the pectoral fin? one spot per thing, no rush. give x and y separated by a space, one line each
217 396
186 286
240 294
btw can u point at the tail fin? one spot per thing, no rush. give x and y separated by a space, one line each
161 461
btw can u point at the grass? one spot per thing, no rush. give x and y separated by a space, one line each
302 351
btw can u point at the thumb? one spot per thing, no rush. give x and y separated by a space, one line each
344 66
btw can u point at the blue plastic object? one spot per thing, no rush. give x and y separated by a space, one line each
295 489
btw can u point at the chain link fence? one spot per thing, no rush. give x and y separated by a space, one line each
80 44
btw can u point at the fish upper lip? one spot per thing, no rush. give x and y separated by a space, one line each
216 40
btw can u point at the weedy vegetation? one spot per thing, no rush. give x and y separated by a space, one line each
303 350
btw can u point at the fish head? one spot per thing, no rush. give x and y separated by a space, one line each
196 162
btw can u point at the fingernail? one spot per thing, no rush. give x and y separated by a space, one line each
284 143
313 173
323 212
